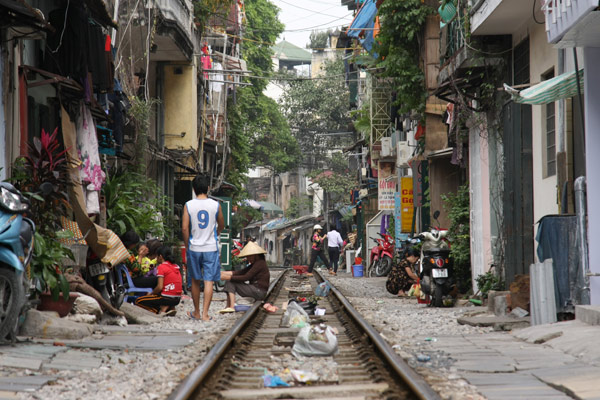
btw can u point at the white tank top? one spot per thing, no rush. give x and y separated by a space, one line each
203 224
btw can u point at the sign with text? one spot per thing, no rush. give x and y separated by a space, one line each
387 188
406 199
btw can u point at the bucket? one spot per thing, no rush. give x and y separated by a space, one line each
357 271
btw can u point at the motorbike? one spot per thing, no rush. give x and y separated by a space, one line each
16 251
103 278
382 255
436 272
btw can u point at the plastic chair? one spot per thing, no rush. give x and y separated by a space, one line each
138 292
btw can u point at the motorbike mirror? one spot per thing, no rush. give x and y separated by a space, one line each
436 214
46 188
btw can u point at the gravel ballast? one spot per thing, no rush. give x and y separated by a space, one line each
406 325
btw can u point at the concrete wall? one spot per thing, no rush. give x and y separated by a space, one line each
592 146
543 58
180 106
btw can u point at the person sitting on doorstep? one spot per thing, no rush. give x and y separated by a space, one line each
167 293
257 274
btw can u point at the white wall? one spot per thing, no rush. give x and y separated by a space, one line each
543 58
592 146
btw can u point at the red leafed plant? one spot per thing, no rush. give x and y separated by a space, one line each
44 163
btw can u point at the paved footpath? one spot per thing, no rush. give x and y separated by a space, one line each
552 361
42 359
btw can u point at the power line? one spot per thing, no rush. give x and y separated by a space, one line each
307 9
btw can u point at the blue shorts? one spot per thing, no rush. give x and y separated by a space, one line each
204 266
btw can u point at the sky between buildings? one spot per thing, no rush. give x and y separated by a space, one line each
301 17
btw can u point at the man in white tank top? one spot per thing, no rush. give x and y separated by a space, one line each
201 224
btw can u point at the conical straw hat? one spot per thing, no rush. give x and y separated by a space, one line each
250 249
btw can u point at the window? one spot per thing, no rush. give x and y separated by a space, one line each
549 149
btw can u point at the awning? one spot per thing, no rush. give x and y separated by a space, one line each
270 207
364 20
560 87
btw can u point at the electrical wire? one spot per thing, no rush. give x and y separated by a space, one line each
308 9
63 30
534 18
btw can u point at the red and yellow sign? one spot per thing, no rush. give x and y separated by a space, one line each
406 197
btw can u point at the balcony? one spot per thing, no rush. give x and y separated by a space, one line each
175 30
500 17
573 23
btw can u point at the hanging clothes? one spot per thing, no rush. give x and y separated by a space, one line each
217 78
90 171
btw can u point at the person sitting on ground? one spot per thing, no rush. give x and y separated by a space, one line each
147 259
403 275
167 293
257 274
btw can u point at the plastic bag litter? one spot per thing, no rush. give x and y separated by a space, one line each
318 340
274 381
304 376
323 289
295 316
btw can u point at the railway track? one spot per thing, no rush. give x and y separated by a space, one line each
366 367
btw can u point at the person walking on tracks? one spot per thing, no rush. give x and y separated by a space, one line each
257 274
334 245
317 249
201 224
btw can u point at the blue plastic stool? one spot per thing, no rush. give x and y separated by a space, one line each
130 298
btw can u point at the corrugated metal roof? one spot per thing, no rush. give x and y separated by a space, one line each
287 51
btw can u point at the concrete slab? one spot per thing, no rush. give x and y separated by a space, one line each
32 351
588 314
496 364
20 362
492 320
138 342
24 383
73 360
580 381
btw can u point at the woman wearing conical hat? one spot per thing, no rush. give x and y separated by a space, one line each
257 275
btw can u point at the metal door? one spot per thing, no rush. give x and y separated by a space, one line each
518 176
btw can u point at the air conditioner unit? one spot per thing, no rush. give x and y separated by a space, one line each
404 152
387 150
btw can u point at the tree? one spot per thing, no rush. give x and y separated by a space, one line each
318 109
397 48
318 40
259 134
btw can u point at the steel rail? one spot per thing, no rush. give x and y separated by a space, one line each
187 387
412 379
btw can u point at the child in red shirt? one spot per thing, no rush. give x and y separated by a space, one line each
167 293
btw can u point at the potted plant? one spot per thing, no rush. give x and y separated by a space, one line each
45 166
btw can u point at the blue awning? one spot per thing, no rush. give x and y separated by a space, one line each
364 20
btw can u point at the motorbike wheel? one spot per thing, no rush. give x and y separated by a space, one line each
13 297
384 267
373 269
437 296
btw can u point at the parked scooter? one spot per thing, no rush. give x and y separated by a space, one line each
16 250
382 255
436 267
102 278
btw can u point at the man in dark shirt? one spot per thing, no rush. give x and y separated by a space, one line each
257 274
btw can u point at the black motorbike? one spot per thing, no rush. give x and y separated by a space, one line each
436 266
102 278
